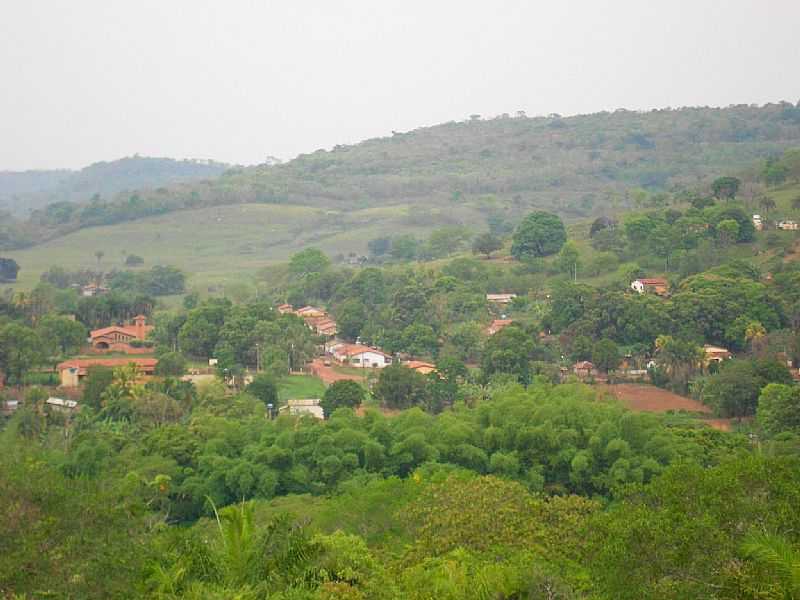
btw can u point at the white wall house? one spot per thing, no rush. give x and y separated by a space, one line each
357 355
370 358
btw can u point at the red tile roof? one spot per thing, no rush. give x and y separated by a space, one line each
82 364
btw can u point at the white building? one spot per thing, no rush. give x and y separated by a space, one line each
356 355
788 225
303 406
758 223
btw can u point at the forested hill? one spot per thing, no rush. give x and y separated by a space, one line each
577 166
23 191
574 165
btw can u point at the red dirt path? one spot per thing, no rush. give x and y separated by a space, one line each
328 374
648 398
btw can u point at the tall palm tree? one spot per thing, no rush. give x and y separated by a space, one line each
776 555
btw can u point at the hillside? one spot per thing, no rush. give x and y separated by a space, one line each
22 192
577 166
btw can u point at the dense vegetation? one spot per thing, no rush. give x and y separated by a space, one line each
503 167
498 475
23 192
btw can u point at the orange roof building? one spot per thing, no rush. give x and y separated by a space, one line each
420 366
73 371
117 338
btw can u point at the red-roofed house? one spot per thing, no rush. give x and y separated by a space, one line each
420 366
285 308
73 371
117 338
656 285
357 355
309 311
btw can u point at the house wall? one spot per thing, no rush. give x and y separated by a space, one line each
368 359
69 377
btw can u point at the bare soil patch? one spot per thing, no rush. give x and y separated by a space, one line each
648 398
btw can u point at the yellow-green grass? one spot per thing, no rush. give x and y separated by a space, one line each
300 386
224 244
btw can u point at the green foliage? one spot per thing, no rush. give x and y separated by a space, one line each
342 394
540 234
779 408
171 364
264 388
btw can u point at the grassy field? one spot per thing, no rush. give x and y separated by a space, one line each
300 386
228 244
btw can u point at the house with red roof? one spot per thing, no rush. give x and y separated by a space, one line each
356 355
72 372
118 338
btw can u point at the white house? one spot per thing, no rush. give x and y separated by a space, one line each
758 223
788 225
303 406
501 299
357 355
61 405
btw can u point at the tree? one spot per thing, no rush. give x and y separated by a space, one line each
777 556
21 350
404 247
263 387
779 408
163 281
725 188
420 340
767 204
171 364
8 269
486 243
605 355
308 261
510 351
342 394
97 380
379 246
680 358
540 234
99 254
569 260
65 335
133 260
727 232
600 224
351 316
400 387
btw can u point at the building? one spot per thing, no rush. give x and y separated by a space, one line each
61 405
650 285
305 406
73 371
92 289
285 309
715 354
322 325
420 366
309 311
758 223
501 299
118 338
497 325
583 369
356 355
788 225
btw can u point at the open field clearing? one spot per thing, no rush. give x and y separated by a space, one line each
227 243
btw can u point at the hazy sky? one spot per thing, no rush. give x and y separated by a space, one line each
89 80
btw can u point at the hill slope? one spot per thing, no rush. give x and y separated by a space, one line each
22 192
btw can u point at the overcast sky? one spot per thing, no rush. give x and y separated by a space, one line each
89 80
